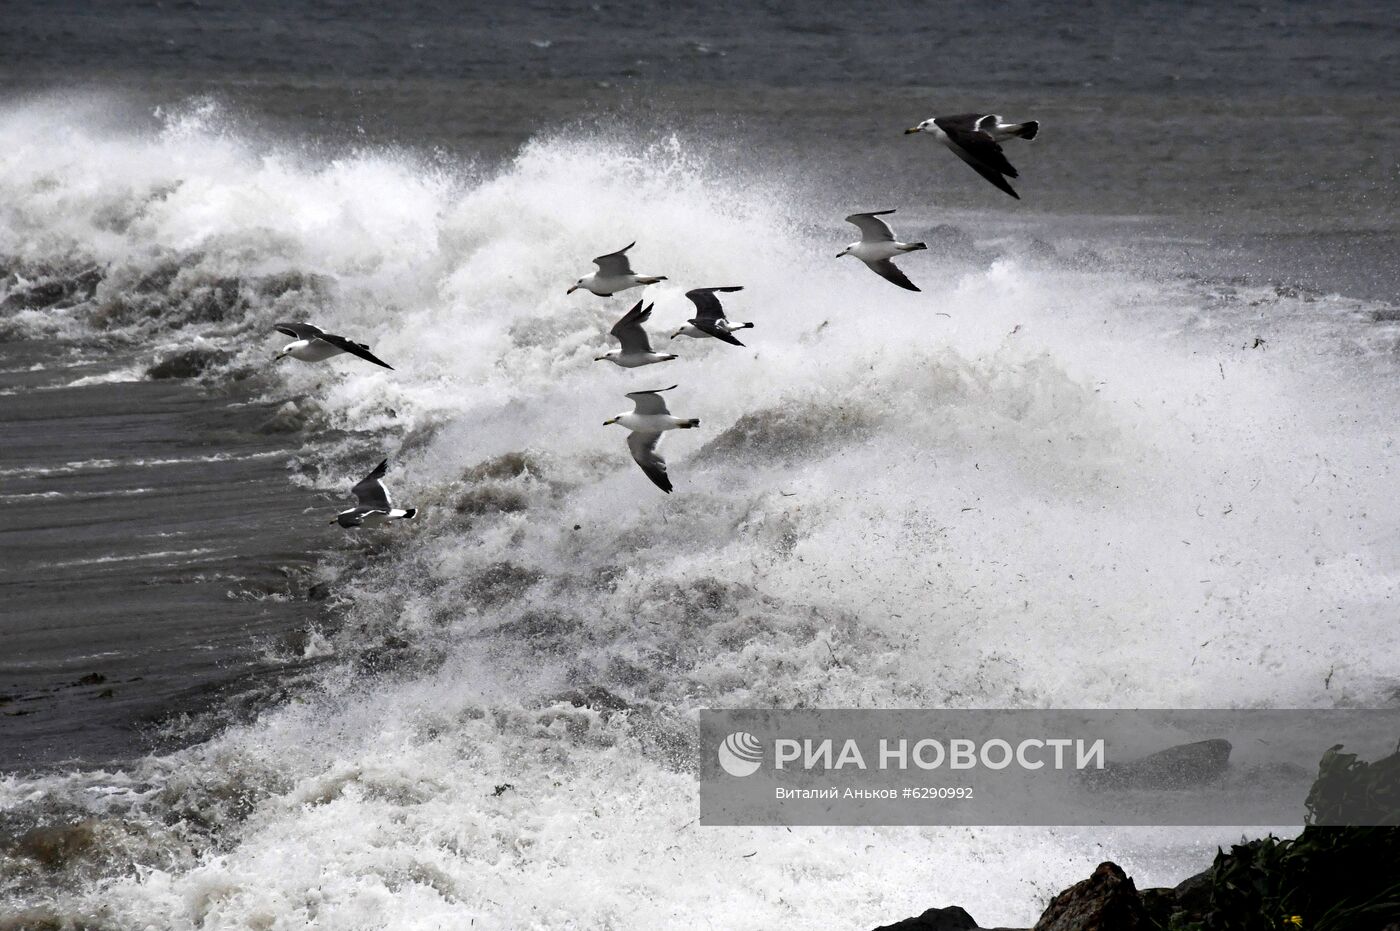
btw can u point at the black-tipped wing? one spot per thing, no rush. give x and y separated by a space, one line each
370 492
650 402
872 228
615 263
707 305
712 327
355 349
629 331
991 174
299 330
643 447
980 151
888 271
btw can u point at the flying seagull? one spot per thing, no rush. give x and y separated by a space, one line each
648 419
877 246
614 274
312 344
974 138
374 507
709 320
636 347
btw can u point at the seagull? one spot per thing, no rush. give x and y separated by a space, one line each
877 246
312 344
636 348
648 420
374 506
614 274
973 137
710 319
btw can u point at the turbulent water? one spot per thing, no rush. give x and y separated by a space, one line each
1059 476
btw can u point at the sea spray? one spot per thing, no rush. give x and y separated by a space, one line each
1040 482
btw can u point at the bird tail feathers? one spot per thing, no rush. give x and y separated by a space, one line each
744 326
915 247
1026 130
652 280
693 422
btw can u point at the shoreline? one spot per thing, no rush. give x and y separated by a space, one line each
151 522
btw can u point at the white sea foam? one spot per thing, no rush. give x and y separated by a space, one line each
1079 488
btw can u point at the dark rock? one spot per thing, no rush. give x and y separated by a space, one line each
92 678
788 433
1106 901
289 418
56 847
951 918
593 696
318 592
545 630
1183 767
188 364
501 582
505 466
1193 893
491 499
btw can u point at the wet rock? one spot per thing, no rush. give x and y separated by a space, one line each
593 696
491 499
1106 901
92 678
318 592
506 466
789 432
52 290
951 918
502 582
54 848
289 418
188 364
1182 767
549 631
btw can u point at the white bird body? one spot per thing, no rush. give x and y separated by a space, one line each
976 139
608 285
648 420
311 350
877 246
614 274
709 321
374 507
376 518
631 360
313 344
879 251
636 345
652 423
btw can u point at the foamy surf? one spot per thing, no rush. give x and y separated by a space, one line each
1086 485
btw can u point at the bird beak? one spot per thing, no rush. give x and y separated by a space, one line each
609 423
599 358
839 254
912 129
335 521
572 290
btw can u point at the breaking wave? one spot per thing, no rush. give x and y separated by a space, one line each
1054 478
